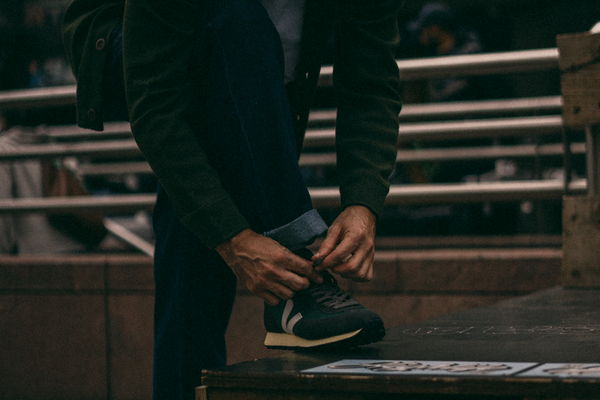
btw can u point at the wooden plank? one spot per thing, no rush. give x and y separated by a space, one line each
579 63
581 241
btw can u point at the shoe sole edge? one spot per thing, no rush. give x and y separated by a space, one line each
287 341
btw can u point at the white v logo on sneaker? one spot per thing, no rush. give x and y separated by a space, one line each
288 326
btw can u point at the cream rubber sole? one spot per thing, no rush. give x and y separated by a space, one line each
287 340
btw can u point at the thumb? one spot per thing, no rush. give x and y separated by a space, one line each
327 246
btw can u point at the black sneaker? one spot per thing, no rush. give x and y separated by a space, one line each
322 316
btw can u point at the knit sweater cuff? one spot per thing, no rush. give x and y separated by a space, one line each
366 191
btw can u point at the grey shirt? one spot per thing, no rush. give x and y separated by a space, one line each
288 16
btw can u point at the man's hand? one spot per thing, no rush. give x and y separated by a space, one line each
349 247
268 269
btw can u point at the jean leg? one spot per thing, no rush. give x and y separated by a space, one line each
194 288
194 296
247 121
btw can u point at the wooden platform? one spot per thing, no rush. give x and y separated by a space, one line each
555 326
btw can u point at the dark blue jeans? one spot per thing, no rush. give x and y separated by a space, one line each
243 108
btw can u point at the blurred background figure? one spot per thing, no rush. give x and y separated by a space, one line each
28 233
437 31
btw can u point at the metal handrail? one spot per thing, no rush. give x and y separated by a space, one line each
480 64
139 167
442 130
115 148
487 108
490 152
404 156
462 192
108 204
112 130
410 69
323 197
459 109
468 64
460 153
543 125
322 137
41 97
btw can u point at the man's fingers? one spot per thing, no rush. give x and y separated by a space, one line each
362 273
341 255
267 268
283 292
358 266
304 268
272 292
329 243
359 276
314 276
295 282
269 298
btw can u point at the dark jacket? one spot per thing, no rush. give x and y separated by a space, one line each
158 38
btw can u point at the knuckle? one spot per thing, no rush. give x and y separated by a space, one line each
304 269
359 275
363 276
253 288
294 285
272 300
341 270
285 296
303 284
340 258
268 271
361 234
366 274
280 257
259 283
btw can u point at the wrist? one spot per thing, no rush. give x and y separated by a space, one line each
362 211
227 246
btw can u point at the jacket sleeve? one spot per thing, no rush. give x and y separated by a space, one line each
158 41
367 85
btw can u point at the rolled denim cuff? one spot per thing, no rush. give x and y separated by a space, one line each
299 233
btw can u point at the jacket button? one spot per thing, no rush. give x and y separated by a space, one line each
100 43
92 114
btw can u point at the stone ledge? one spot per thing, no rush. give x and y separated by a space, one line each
399 271
463 271
76 273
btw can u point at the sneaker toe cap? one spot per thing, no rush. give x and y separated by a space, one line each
339 324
